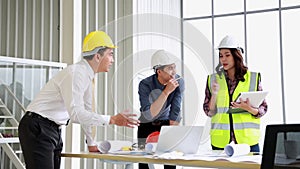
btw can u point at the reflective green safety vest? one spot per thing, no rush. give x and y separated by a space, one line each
245 125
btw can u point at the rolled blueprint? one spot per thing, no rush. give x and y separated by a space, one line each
150 147
233 150
104 147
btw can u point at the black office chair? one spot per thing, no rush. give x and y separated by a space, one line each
274 156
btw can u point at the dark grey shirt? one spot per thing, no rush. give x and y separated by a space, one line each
149 90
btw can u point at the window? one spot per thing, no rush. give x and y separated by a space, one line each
269 42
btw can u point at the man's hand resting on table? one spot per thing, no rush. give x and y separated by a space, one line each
93 149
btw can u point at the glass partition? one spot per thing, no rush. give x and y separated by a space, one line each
20 81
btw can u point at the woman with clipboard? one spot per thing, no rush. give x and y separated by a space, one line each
222 89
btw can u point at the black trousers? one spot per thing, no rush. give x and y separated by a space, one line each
143 131
41 142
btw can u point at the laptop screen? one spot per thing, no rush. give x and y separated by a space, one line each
185 139
281 147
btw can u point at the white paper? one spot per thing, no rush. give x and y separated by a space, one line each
171 155
216 155
233 150
134 152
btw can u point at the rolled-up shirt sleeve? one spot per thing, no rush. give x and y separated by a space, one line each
206 108
144 92
263 107
90 140
176 102
87 129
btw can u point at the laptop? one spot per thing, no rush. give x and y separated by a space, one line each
185 139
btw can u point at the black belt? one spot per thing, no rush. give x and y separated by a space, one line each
157 123
35 115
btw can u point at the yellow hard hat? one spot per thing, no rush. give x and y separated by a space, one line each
94 41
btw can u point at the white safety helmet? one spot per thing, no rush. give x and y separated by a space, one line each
230 42
161 58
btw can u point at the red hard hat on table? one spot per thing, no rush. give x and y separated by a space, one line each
153 137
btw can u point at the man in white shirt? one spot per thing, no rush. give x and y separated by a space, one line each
68 96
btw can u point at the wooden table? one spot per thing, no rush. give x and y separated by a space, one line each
148 159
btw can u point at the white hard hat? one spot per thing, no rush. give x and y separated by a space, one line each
228 42
162 58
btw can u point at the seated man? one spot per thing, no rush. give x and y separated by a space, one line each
160 97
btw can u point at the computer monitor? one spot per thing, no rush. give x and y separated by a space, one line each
281 147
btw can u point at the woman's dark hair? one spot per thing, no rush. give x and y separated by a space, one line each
240 68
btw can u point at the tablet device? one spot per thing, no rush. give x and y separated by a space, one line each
255 97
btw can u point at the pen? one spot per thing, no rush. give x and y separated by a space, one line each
178 78
254 153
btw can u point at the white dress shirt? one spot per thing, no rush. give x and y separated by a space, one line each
68 95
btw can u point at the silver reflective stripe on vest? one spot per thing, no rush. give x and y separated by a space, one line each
236 126
253 81
222 109
220 126
247 125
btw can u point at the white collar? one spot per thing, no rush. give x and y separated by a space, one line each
91 72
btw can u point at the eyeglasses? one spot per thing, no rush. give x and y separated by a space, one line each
135 146
169 69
